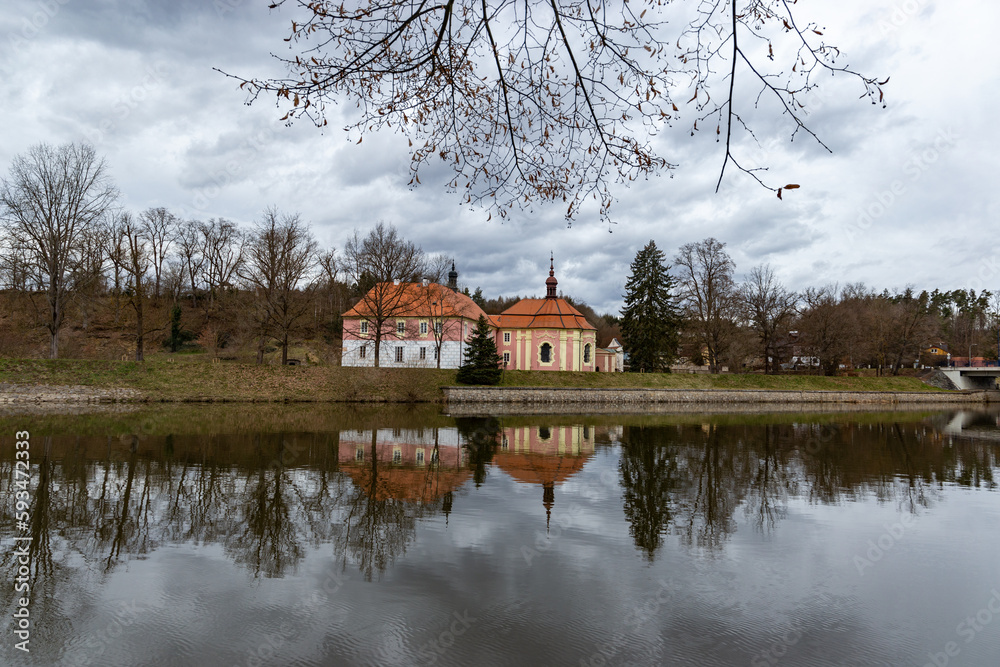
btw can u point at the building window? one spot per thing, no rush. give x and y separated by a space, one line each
399 354
434 456
586 353
505 444
437 328
436 353
506 358
360 454
397 455
423 353
423 328
544 433
420 457
506 336
401 327
364 326
546 353
586 433
362 351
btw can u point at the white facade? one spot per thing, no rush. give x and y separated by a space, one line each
411 355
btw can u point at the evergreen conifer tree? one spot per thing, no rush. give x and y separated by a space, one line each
482 363
650 320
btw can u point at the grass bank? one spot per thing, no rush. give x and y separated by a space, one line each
688 381
232 381
200 380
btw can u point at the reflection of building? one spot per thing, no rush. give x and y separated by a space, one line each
544 455
418 465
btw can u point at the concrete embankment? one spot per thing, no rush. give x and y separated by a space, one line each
20 394
632 397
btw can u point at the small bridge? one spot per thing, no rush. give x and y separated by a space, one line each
969 424
973 377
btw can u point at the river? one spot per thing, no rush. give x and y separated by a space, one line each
329 535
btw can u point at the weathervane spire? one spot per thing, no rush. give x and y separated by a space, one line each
551 282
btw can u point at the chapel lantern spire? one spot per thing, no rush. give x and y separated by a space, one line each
551 282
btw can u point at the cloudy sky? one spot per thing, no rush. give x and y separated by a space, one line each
905 198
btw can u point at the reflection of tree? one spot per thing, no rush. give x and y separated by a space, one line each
717 484
123 523
377 527
770 484
649 473
266 496
481 436
268 543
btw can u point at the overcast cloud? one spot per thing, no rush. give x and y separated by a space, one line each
905 198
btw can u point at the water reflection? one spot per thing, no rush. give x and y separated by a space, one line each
263 496
358 495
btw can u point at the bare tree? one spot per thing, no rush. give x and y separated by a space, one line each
707 293
160 228
223 250
332 293
553 100
88 280
437 266
913 326
380 264
173 279
824 328
139 260
279 255
16 271
191 248
769 308
53 196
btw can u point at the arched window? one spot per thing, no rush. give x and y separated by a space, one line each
586 353
546 353
544 433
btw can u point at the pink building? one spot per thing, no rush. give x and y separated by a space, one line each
429 322
421 325
546 334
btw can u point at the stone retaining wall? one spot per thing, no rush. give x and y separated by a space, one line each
542 395
16 394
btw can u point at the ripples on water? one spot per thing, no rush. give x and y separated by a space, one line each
320 536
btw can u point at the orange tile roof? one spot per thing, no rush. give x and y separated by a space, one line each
543 314
532 468
394 482
416 300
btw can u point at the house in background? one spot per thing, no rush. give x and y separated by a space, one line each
546 334
419 323
611 359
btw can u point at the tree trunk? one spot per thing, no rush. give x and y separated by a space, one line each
284 350
378 344
138 329
54 323
260 351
